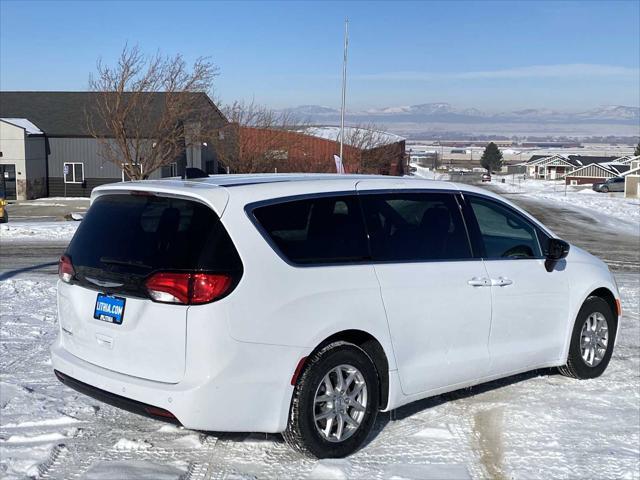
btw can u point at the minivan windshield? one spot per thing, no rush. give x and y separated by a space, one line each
135 235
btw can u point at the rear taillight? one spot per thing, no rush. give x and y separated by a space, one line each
65 269
187 288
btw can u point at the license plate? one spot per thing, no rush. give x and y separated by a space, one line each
109 308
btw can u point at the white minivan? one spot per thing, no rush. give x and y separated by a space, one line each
305 304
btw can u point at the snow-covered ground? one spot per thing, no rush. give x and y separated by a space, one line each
429 174
537 425
37 231
611 208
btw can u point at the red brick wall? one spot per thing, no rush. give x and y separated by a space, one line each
584 180
306 153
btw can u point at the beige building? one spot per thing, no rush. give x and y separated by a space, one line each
632 179
23 159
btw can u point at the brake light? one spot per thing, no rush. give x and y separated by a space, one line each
66 271
187 288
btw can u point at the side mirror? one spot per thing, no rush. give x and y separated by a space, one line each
558 249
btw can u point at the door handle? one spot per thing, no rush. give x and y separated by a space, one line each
479 282
501 282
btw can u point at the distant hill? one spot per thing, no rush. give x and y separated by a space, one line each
414 120
437 112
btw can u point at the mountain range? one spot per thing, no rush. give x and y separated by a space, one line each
445 112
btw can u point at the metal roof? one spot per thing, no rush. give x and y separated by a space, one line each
65 114
25 124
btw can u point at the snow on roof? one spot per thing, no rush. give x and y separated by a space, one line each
29 127
354 136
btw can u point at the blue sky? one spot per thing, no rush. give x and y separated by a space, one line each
489 55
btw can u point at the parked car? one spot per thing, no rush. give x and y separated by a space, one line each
486 177
615 184
306 304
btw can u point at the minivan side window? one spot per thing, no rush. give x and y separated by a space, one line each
505 233
415 227
318 230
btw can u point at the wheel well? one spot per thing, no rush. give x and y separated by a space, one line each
372 347
607 296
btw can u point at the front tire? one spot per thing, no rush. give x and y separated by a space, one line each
335 402
604 189
592 340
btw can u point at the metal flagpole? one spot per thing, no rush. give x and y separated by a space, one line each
344 85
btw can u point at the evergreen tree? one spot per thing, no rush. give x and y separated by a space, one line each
491 158
637 150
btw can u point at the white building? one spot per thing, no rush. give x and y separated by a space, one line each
23 159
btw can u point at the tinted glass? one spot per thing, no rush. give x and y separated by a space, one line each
415 227
129 236
316 230
77 172
505 233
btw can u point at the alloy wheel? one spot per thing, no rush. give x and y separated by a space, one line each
594 339
340 403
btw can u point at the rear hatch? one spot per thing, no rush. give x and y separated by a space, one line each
106 313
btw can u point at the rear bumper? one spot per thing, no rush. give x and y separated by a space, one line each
246 390
117 400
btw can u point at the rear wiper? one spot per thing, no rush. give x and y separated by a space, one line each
119 261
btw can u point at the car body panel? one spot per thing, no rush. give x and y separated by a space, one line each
148 344
529 315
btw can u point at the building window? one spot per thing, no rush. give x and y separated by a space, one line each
170 170
73 172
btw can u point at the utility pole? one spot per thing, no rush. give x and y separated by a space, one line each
344 85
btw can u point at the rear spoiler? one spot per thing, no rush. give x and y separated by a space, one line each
214 196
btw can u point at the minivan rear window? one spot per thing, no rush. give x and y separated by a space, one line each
126 236
323 230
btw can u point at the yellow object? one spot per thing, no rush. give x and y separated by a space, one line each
3 211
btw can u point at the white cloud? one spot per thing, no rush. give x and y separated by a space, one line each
534 71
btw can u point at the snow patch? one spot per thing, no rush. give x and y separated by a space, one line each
37 231
43 423
435 433
45 437
134 445
432 471
134 470
611 209
171 429
330 469
188 442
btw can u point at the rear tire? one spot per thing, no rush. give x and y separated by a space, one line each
358 399
5 217
587 358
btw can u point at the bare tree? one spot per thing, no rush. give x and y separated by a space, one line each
265 139
147 109
371 150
